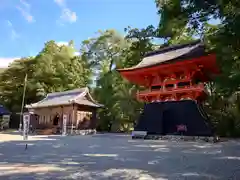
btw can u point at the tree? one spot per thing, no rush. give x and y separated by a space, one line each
54 69
107 52
103 52
2 70
140 43
12 82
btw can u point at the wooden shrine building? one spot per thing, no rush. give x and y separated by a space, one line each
175 79
77 105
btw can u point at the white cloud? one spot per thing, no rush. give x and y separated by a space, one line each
62 43
26 15
9 23
4 62
60 3
77 53
25 4
67 15
13 33
25 11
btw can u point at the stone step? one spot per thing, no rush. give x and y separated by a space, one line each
177 138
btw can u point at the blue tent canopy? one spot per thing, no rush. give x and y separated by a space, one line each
3 110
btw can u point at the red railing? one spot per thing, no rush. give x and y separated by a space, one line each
174 89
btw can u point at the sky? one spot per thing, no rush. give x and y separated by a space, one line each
27 24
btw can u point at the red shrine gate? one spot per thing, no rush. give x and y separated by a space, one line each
173 74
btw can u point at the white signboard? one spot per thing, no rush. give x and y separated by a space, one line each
64 128
26 123
5 121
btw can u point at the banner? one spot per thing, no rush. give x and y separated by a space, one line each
4 123
26 123
64 128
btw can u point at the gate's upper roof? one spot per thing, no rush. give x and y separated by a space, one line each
171 54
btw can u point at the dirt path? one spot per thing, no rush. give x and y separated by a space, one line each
15 136
115 157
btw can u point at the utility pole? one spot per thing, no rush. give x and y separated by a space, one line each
23 100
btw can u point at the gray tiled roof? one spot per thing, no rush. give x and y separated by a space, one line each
85 101
167 55
66 98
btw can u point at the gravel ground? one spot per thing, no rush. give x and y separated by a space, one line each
115 156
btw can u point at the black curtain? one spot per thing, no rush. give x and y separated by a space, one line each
163 118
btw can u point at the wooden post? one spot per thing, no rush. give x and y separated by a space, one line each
73 118
61 119
23 101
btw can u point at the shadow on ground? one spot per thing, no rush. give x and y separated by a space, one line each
117 157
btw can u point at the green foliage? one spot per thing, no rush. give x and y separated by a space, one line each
2 70
141 43
54 69
106 52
